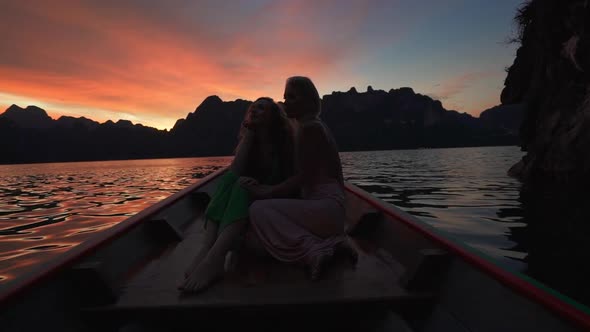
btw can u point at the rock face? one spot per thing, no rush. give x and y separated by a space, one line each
551 77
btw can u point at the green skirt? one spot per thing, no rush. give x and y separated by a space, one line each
229 203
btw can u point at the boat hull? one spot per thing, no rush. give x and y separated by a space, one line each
408 277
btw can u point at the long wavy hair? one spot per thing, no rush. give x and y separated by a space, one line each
310 94
281 138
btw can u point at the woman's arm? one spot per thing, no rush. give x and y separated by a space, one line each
287 188
238 164
284 189
312 152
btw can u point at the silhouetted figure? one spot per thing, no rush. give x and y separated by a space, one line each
308 230
264 153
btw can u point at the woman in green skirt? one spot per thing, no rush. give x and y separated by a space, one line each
265 154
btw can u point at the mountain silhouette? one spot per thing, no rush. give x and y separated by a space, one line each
28 118
211 129
372 120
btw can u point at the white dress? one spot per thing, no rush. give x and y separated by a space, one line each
275 222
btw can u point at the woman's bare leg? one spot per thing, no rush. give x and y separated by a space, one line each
211 267
208 240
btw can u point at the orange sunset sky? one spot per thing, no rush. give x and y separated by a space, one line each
152 62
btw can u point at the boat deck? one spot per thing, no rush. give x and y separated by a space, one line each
260 288
259 281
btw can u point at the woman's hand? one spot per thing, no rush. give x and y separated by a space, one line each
247 182
256 190
248 125
260 191
251 123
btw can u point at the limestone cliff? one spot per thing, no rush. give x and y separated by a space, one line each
550 76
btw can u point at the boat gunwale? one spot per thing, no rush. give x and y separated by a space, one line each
524 287
95 242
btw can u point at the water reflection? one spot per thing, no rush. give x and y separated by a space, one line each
45 209
464 192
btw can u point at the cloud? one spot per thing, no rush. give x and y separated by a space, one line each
158 61
471 92
456 85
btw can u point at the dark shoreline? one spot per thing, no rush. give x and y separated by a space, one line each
220 155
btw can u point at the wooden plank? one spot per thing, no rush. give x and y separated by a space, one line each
90 278
392 322
361 217
442 320
428 273
348 319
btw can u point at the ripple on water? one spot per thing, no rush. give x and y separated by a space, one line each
34 238
48 247
10 210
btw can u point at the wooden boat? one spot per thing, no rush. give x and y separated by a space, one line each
408 278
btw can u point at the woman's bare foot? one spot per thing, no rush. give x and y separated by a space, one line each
231 261
202 253
210 269
208 242
346 249
316 265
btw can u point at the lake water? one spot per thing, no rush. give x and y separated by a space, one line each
45 209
